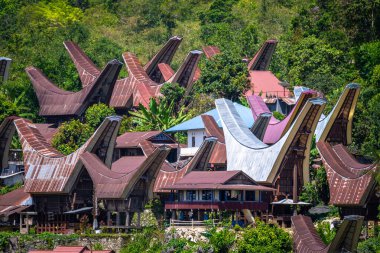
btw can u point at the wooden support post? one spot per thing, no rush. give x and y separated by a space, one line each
20 222
27 223
127 219
108 218
138 218
117 219
295 183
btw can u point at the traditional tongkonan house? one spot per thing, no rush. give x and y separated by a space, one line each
352 185
143 82
85 183
307 240
262 81
200 193
128 144
283 165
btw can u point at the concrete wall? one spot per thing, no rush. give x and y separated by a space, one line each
198 134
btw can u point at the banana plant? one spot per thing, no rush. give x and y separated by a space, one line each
158 116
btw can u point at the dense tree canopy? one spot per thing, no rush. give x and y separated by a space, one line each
322 44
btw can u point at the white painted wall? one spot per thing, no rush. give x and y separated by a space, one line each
199 135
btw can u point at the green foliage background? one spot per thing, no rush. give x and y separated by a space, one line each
322 44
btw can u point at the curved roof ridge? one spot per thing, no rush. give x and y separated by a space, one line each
305 235
87 70
276 129
258 160
54 101
52 172
341 168
30 134
199 161
325 124
164 55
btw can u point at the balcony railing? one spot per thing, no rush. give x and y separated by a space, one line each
215 205
192 223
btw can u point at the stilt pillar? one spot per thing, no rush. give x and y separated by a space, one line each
138 219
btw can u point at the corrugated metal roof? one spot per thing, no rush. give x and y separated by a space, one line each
307 240
215 180
47 170
198 162
133 139
197 123
210 51
53 101
166 71
349 181
266 84
127 164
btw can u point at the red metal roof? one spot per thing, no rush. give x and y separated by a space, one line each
87 70
127 164
276 129
54 101
215 180
350 182
13 202
198 162
47 170
210 51
219 154
142 84
266 84
133 139
212 128
166 71
47 131
165 55
307 240
116 184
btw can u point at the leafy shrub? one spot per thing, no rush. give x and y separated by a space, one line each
98 246
95 114
325 231
264 238
370 245
70 136
222 240
278 115
6 189
149 240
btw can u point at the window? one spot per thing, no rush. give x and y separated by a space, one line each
250 196
232 195
190 195
207 195
193 141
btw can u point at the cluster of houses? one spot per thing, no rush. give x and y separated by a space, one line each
237 159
